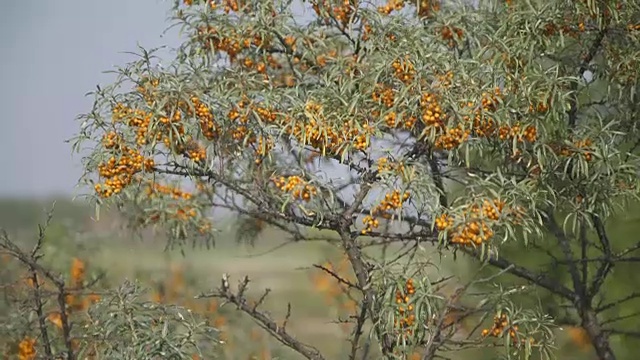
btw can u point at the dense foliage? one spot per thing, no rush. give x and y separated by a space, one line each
431 128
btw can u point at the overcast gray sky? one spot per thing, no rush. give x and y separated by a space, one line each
52 52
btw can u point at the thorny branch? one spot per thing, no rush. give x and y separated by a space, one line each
607 263
279 332
339 278
31 261
539 279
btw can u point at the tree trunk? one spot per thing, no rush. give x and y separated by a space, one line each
599 338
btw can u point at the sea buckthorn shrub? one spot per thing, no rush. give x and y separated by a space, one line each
429 126
49 315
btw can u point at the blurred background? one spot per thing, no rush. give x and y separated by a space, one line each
53 52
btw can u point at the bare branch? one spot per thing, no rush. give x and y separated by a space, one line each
613 304
565 246
607 263
279 332
339 278
526 274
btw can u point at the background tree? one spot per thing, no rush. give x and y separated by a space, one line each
407 130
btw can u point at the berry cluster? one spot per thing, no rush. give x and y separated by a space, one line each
231 43
541 107
452 138
324 136
445 79
386 165
384 95
296 186
343 12
169 127
262 148
154 189
112 140
390 6
27 349
500 326
477 229
404 69
204 115
484 126
434 119
391 202
584 147
432 115
193 151
405 315
118 173
424 7
450 34
148 88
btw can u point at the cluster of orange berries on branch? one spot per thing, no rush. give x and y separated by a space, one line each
580 146
148 89
485 127
367 29
506 132
450 34
426 7
194 151
386 165
490 101
325 136
181 213
262 148
205 117
392 201
27 349
432 114
232 5
452 138
390 6
296 186
119 173
290 43
169 127
541 107
231 44
444 80
434 118
405 316
500 325
477 229
111 140
267 115
154 189
393 120
404 69
384 95
566 29
343 13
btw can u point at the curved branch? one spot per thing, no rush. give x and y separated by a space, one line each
279 332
